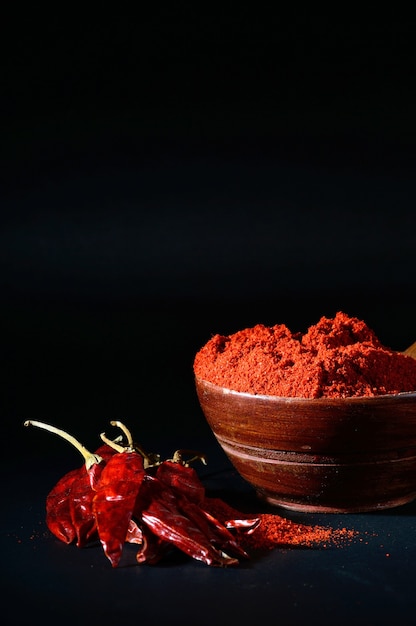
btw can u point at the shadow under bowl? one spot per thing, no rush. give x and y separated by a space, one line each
328 455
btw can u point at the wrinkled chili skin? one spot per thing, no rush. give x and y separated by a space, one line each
81 505
169 524
81 502
182 479
186 483
69 512
114 501
134 533
176 520
117 501
153 548
58 514
214 531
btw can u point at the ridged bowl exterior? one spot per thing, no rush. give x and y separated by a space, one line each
318 455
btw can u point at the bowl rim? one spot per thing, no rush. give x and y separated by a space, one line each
389 397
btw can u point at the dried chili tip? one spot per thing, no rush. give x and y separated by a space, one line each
246 525
134 533
153 548
229 516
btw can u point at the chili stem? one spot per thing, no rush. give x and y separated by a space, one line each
197 456
125 431
148 459
88 456
112 444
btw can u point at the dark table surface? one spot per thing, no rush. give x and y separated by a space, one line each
370 580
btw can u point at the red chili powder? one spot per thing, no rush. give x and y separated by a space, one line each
276 531
336 358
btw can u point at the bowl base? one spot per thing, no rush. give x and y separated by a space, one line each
325 508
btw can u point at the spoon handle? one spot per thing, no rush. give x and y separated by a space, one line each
411 350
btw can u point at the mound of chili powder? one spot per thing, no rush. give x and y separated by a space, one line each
338 357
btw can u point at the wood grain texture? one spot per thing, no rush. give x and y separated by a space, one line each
332 455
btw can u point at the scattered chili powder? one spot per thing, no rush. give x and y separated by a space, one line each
337 357
276 531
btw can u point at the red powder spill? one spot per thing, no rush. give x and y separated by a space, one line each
336 358
275 531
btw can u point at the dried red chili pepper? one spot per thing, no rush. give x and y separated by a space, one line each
184 479
114 501
58 513
165 501
115 497
69 511
83 492
177 520
118 493
122 494
181 477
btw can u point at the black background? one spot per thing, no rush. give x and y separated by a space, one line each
179 173
183 172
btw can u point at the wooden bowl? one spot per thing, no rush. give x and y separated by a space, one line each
340 455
